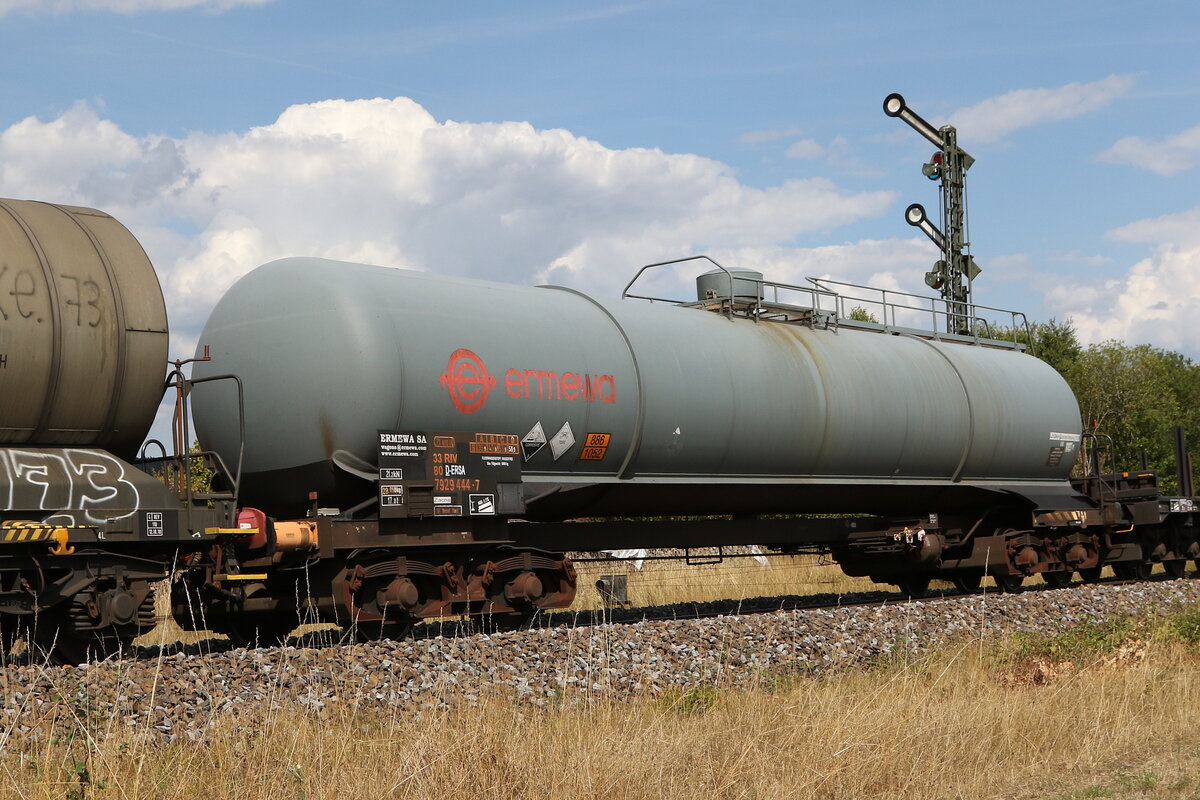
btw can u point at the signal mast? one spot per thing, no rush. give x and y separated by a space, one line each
953 275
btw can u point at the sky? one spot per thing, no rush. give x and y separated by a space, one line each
571 143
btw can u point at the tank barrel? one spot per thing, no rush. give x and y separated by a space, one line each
84 329
635 380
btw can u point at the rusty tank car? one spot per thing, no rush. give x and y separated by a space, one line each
84 531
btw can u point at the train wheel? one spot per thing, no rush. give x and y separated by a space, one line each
268 633
259 627
1132 570
378 630
1057 579
95 625
1091 574
66 638
1175 567
914 587
968 583
1009 583
13 629
506 622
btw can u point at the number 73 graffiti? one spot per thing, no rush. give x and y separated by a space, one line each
78 487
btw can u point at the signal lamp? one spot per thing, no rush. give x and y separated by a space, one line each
933 169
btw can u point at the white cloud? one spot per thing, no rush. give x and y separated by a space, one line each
997 117
758 137
382 181
1166 156
1157 301
121 6
887 263
805 148
838 151
1181 229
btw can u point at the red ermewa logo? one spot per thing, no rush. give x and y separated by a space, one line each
467 380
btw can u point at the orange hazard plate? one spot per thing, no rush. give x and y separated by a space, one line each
595 446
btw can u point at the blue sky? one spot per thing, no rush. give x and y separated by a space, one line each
572 142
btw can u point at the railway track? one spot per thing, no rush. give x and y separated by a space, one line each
459 628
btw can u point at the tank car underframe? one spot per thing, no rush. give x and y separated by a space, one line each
375 577
1054 544
371 580
82 541
89 604
80 593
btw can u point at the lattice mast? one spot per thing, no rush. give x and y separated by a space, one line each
955 272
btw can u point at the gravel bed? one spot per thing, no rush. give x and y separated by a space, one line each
180 695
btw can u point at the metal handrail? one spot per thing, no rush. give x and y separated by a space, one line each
237 476
756 308
1019 321
1092 465
625 292
181 432
821 295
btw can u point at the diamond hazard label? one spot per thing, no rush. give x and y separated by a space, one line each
563 441
533 441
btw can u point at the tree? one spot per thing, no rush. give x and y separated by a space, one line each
201 471
1056 343
1053 342
1134 394
860 314
1128 393
1184 377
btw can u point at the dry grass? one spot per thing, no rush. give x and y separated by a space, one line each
1119 722
961 724
660 582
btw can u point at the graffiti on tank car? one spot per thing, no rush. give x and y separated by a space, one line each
83 297
85 480
22 297
468 382
19 295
